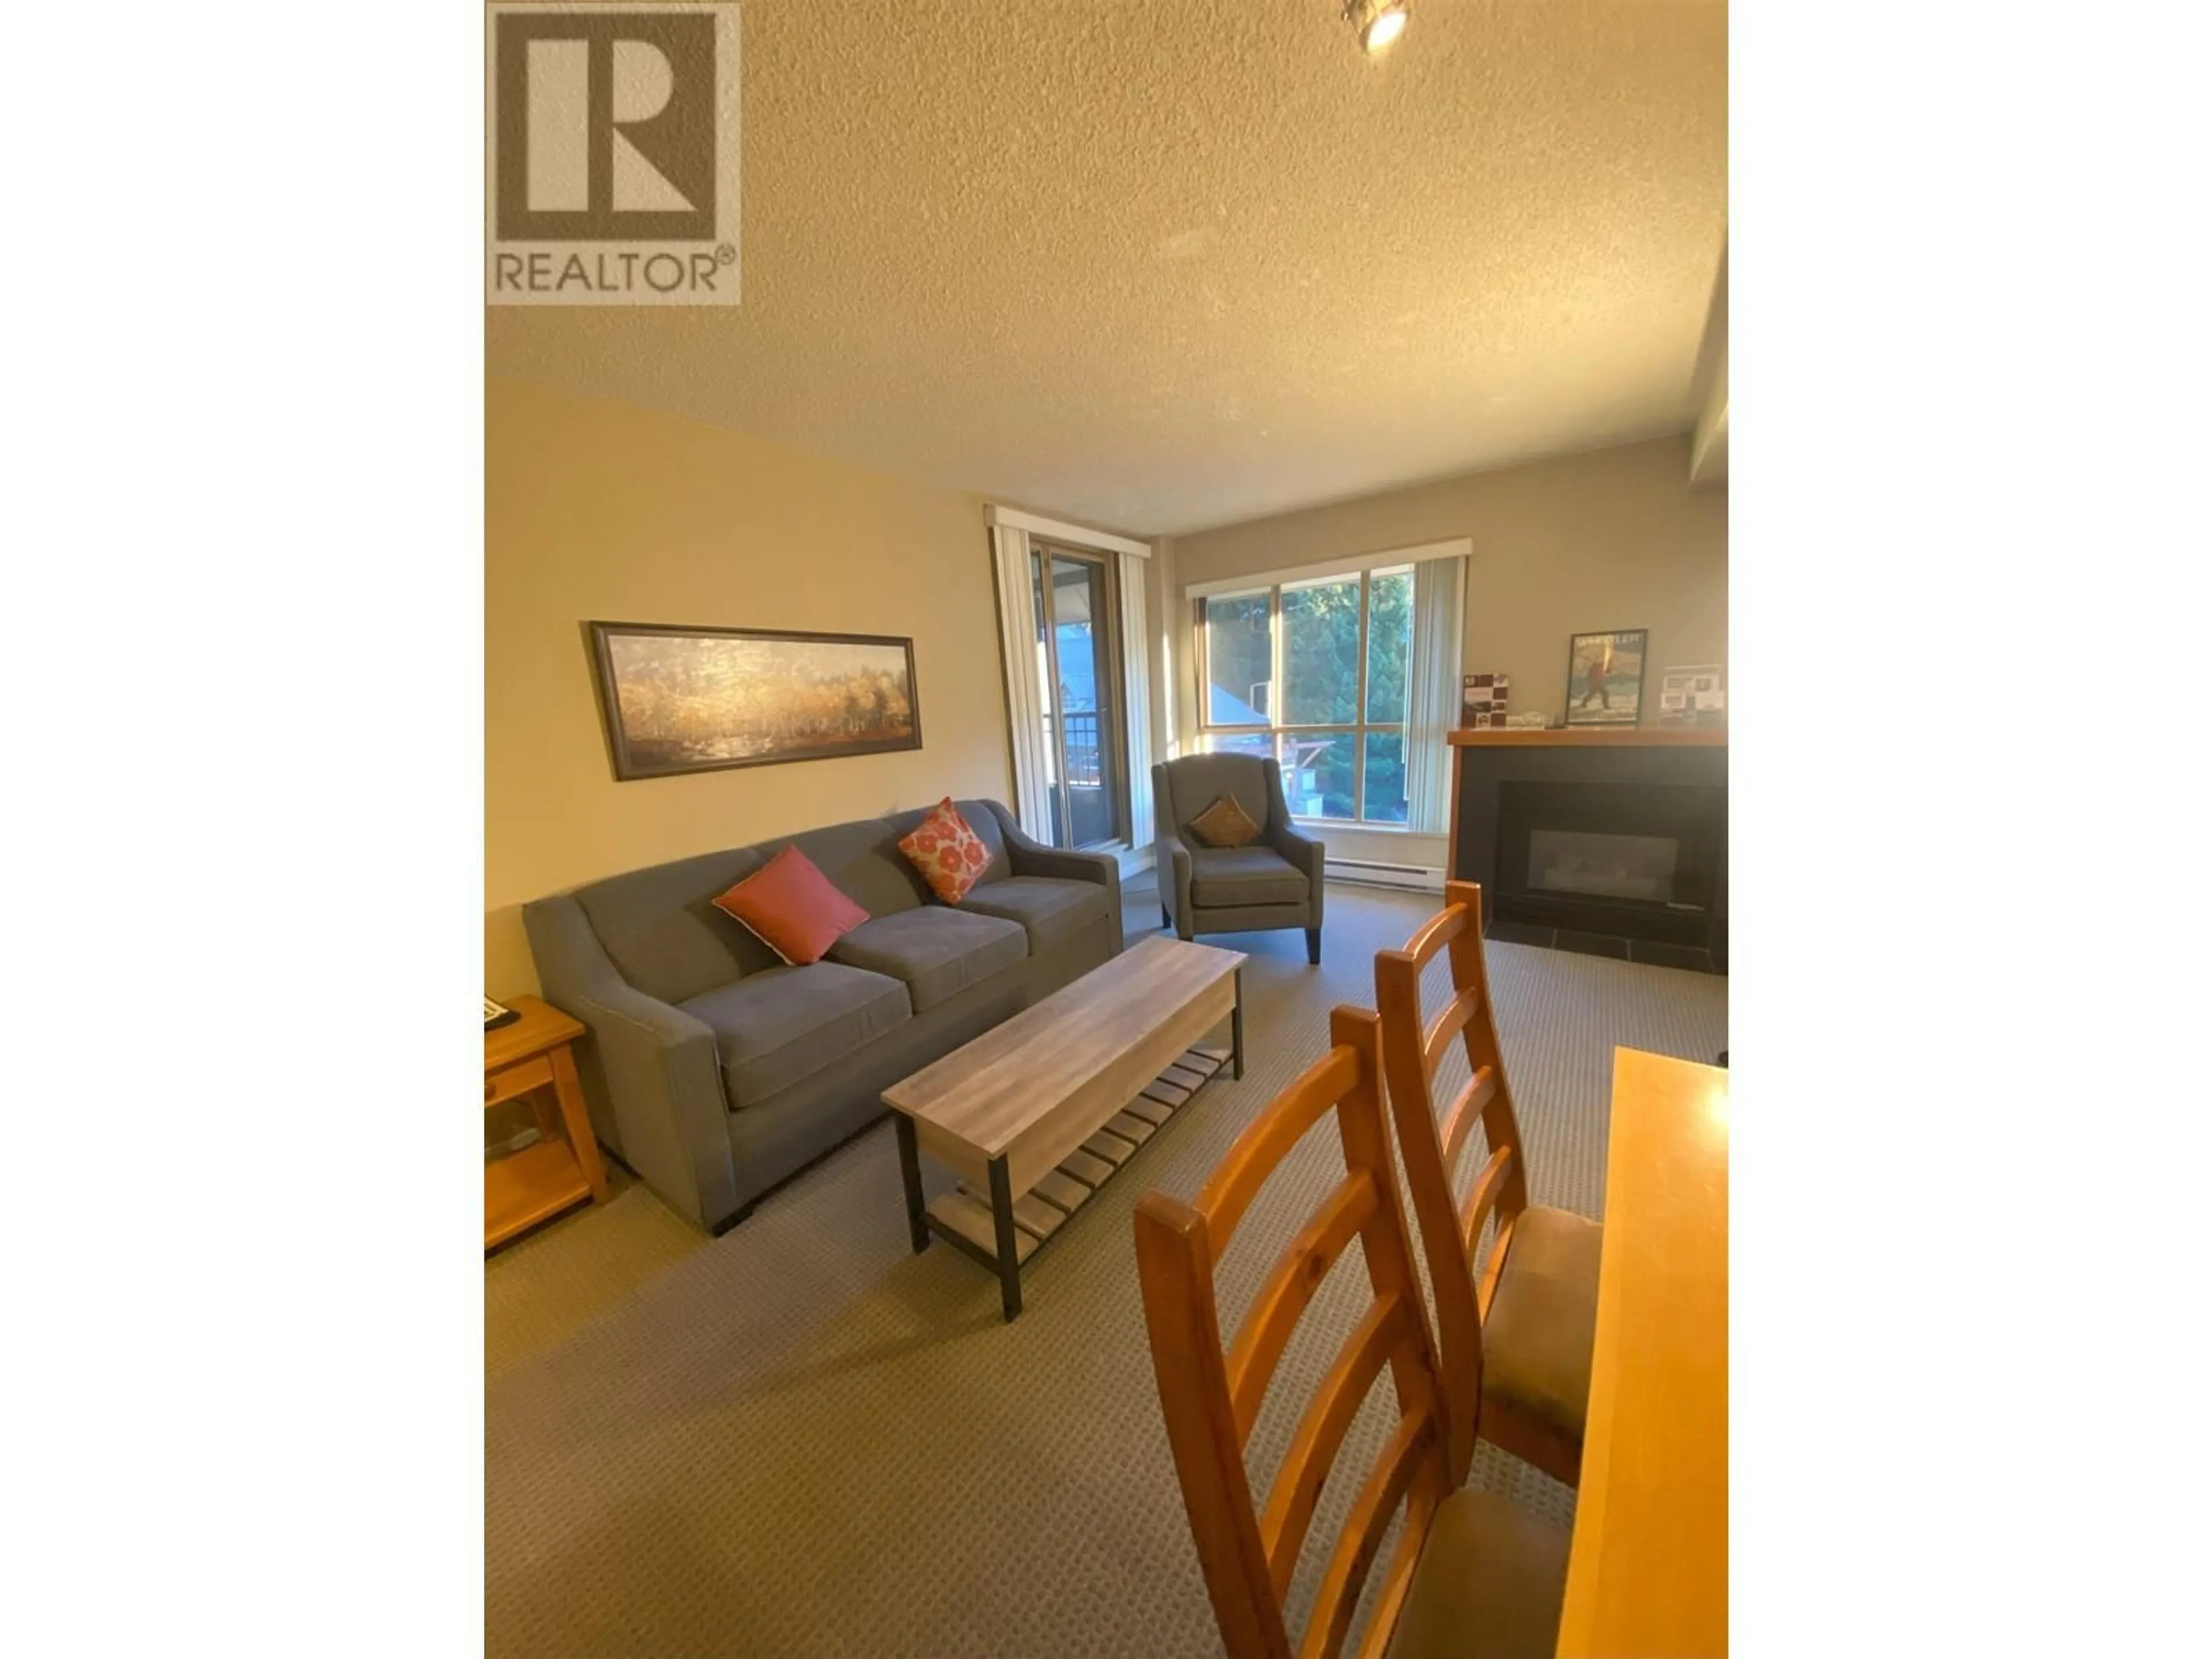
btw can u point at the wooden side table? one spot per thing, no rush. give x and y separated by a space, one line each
525 1187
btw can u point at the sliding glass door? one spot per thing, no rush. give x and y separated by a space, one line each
1078 668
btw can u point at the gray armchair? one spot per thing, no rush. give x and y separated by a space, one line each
1274 883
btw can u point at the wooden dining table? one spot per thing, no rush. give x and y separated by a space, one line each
1647 1576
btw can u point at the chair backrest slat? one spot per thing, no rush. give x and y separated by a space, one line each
1493 1266
1175 1269
1275 1312
1437 932
1320 1436
1482 1198
1210 1399
1451 1229
1417 1440
1467 1105
1397 1578
1450 1023
1244 1169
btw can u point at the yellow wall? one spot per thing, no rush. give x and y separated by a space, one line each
604 510
1615 538
607 511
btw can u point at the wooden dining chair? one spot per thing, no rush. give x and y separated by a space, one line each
1472 1575
1516 1334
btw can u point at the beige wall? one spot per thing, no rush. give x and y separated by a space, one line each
607 511
1611 539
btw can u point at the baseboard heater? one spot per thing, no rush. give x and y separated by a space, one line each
1383 875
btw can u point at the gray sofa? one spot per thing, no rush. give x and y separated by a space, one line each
1274 883
716 1071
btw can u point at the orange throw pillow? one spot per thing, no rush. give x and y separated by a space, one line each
951 855
792 907
1225 823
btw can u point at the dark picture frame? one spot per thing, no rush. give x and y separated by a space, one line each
676 699
1610 646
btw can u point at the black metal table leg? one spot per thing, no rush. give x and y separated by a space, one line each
1237 1028
1009 1263
910 1173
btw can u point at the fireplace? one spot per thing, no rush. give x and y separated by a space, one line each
1609 841
1593 864
1631 860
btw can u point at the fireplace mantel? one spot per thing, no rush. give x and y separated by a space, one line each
1589 737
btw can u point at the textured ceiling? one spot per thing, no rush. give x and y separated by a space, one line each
1161 265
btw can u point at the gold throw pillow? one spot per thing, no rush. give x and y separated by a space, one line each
1225 823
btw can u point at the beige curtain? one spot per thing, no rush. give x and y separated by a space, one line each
1137 683
1432 691
1018 645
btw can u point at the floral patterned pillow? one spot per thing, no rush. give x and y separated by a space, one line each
951 855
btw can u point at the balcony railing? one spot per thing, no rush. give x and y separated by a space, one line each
1079 739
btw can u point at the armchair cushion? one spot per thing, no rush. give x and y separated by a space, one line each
780 1026
936 952
1048 907
1225 876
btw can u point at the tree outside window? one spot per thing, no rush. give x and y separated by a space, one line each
1339 648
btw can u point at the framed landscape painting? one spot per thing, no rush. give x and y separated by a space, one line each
1605 678
701 699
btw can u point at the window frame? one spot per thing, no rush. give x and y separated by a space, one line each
1278 728
1113 725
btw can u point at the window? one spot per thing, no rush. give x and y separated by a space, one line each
1240 660
1339 648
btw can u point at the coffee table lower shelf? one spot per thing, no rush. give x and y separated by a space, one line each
966 1220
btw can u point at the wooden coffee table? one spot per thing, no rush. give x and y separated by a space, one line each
1035 1115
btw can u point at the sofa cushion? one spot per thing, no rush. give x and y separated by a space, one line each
1221 877
949 855
863 860
1048 907
1537 1342
659 927
792 907
936 952
777 1027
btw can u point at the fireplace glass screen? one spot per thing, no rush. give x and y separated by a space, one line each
1603 867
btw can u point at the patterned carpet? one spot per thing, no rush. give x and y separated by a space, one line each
799 1439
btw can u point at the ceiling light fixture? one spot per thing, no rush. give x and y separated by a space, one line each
1379 22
